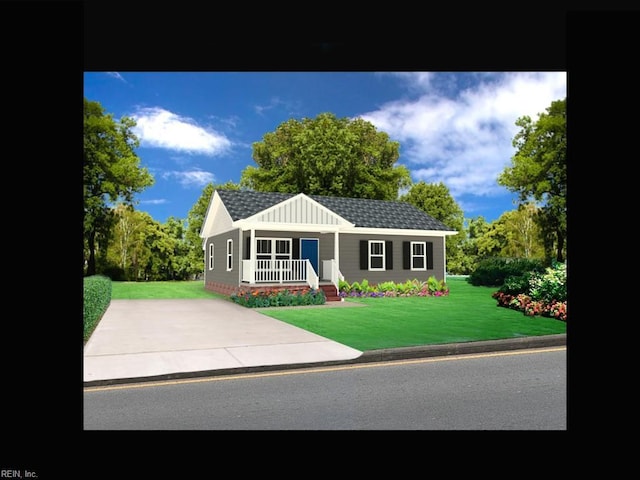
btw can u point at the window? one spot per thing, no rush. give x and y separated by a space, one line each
418 256
211 249
272 256
273 249
229 255
376 255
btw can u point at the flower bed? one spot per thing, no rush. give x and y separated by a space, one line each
278 298
528 306
410 288
535 293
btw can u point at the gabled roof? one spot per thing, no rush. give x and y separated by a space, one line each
363 213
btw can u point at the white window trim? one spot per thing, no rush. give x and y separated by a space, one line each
211 252
229 255
423 256
273 253
383 255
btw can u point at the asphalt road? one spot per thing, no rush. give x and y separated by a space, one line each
513 390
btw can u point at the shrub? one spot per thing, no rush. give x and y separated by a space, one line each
550 286
415 287
96 300
115 273
278 298
492 272
514 285
543 294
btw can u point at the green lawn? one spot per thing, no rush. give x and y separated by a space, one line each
467 314
149 290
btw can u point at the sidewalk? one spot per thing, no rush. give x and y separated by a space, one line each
148 340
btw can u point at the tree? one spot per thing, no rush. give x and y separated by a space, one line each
435 200
111 173
522 232
539 172
195 219
475 230
126 247
327 156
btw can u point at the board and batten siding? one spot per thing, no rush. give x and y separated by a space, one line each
219 274
350 259
298 210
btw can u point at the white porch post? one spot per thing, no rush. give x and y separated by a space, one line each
336 248
252 257
240 255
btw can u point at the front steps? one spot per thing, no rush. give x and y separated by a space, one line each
331 292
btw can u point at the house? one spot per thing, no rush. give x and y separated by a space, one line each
282 240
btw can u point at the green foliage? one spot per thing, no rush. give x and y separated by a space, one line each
539 172
415 287
343 286
330 156
536 292
515 284
114 272
111 173
434 285
550 286
278 298
96 300
436 200
492 272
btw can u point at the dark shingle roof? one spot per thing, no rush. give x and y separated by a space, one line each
359 211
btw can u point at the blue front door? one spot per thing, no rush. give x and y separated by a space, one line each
309 250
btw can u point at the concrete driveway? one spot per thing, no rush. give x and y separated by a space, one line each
143 339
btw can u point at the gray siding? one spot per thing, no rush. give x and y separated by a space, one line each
349 256
219 272
350 259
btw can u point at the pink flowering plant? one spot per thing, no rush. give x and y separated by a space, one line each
543 294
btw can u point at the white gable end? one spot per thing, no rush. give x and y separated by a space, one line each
217 219
298 210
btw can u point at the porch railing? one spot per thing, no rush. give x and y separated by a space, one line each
280 271
331 272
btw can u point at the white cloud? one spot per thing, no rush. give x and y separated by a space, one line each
276 102
193 178
116 75
160 128
158 201
462 137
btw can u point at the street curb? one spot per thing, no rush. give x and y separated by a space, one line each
462 348
371 356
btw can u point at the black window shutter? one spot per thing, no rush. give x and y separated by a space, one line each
364 255
247 250
295 247
388 255
406 255
429 255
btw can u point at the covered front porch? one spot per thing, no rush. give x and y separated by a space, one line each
291 271
294 242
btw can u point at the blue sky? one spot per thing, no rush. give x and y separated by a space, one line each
195 128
